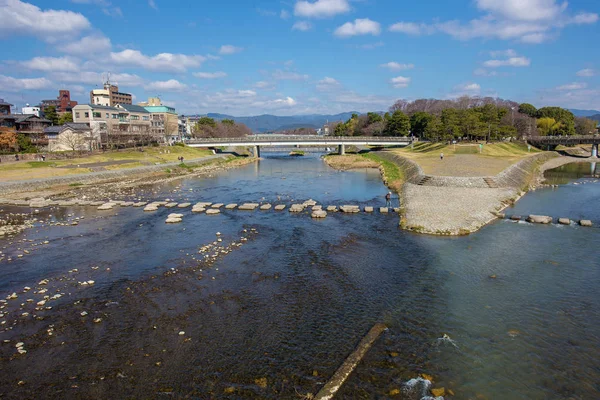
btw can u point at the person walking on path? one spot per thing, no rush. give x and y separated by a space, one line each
388 200
442 156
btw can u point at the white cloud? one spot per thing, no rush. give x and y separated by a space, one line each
19 18
51 64
227 49
572 86
360 26
411 28
302 26
528 21
280 75
152 4
246 93
10 84
400 82
210 75
166 62
394 66
327 84
87 45
510 62
263 85
465 89
97 78
321 8
288 101
588 72
172 85
284 14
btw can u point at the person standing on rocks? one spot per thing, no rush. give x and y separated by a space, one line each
388 200
442 156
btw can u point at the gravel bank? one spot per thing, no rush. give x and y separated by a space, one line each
451 210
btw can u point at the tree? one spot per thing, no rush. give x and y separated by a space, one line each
228 122
450 124
585 126
397 125
548 126
72 140
528 109
433 130
418 123
565 117
374 117
471 125
8 139
50 114
64 118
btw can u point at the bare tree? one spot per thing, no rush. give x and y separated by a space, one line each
72 140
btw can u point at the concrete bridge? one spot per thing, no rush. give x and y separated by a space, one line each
550 142
256 141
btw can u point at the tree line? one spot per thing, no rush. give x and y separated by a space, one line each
468 118
207 127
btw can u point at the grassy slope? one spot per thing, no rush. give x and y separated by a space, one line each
150 156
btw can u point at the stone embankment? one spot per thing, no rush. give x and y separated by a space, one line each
446 205
101 176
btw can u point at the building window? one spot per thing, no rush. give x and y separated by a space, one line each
115 116
146 118
77 115
107 115
87 114
97 114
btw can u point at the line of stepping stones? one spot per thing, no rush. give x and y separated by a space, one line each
209 208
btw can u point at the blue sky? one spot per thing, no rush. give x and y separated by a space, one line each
292 57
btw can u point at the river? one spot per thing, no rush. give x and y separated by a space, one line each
273 315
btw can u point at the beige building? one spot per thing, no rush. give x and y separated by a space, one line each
109 96
120 125
164 119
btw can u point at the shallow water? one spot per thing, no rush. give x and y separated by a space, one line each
294 300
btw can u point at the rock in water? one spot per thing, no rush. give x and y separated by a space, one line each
383 210
585 222
184 205
248 206
280 207
231 206
368 209
265 207
539 219
564 221
319 214
213 211
332 208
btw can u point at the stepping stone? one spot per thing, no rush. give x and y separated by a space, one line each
564 221
203 204
397 210
230 206
248 207
515 218
173 220
175 215
384 210
160 203
127 204
265 207
350 209
309 203
140 204
213 211
72 203
184 205
151 207
332 208
369 209
585 222
106 206
217 205
198 210
317 208
318 214
296 208
280 207
171 205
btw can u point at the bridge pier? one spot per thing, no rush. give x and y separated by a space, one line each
594 151
342 149
256 151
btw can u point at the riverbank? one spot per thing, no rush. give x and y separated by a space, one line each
107 184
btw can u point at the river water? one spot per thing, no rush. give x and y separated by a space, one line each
275 314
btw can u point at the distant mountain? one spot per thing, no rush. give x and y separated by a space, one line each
584 113
595 117
273 123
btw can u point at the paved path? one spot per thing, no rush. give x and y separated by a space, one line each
99 164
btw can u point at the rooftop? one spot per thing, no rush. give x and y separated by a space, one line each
134 108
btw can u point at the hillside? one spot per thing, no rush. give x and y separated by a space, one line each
272 123
585 113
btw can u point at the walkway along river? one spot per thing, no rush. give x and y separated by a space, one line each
135 307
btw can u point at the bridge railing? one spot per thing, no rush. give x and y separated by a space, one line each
565 139
303 138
